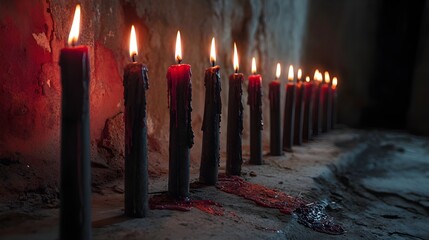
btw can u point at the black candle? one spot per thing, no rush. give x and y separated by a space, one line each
326 103
235 121
307 129
317 106
254 101
75 184
289 114
275 122
136 83
181 134
210 158
334 102
299 109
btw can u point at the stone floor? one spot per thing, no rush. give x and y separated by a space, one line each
375 183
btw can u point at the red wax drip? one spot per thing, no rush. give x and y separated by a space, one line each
261 195
309 214
163 201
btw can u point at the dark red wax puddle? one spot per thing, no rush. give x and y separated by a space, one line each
163 201
261 195
309 214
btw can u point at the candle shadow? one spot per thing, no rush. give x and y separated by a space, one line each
109 221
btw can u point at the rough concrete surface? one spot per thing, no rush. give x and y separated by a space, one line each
375 185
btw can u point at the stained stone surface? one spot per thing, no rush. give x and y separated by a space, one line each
373 183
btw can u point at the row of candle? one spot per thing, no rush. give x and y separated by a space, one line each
75 219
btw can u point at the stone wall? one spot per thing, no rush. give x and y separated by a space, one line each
334 35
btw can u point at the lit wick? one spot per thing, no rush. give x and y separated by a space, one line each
235 60
133 43
74 32
213 53
178 49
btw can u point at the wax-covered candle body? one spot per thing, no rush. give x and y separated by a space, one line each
307 129
317 109
299 113
334 108
326 102
275 122
181 134
210 158
136 82
256 124
235 125
75 192
289 116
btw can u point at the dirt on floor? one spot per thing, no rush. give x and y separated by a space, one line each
373 183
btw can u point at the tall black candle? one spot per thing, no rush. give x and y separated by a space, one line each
75 184
254 101
326 103
136 82
307 129
275 121
181 133
235 121
210 158
317 105
299 110
289 113
334 102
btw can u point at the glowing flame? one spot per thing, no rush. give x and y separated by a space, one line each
213 52
316 74
299 74
74 31
133 42
307 79
253 66
278 71
290 74
178 48
235 61
334 82
327 78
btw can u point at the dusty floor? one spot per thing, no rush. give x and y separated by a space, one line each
376 184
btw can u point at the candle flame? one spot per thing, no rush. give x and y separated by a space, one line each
213 52
316 74
290 74
334 82
178 48
133 42
253 66
299 74
74 31
327 78
235 60
307 79
278 71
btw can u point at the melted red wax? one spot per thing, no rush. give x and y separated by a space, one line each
309 214
261 195
163 201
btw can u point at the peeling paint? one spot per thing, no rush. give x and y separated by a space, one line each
42 41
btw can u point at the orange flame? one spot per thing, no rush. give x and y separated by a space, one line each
290 74
74 31
334 82
327 78
235 60
278 71
307 79
299 74
213 52
253 66
133 42
178 48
